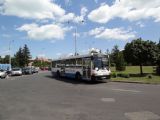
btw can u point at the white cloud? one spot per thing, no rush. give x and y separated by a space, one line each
76 34
33 9
96 31
68 2
71 17
131 10
41 55
3 27
6 35
115 33
84 11
68 17
58 54
140 24
96 1
44 32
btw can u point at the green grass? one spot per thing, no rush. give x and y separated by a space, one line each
135 71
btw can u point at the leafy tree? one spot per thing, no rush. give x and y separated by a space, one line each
120 62
114 54
158 59
140 52
5 60
39 63
117 58
26 55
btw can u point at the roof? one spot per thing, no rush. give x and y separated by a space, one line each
80 56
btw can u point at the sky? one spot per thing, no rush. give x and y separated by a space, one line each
48 26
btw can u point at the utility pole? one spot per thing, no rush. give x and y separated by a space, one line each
10 61
75 40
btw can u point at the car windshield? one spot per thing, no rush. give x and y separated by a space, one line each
16 69
27 68
100 62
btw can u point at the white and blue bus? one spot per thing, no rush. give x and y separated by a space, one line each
92 67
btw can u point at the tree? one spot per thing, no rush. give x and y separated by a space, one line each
14 63
117 58
140 52
26 55
120 62
19 57
114 54
6 59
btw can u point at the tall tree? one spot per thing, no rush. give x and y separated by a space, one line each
120 62
19 57
26 55
140 52
158 56
114 54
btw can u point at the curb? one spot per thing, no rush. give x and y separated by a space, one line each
135 82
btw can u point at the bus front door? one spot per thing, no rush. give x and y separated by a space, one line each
87 68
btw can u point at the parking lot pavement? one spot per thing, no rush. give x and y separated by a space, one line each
41 97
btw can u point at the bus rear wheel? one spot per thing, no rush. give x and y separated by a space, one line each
57 74
78 76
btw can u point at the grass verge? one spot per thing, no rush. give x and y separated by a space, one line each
134 76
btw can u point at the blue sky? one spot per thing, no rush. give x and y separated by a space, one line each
47 26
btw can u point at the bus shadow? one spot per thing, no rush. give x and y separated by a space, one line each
74 81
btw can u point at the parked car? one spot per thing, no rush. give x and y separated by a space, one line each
36 69
27 70
3 74
16 71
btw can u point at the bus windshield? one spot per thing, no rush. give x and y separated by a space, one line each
100 62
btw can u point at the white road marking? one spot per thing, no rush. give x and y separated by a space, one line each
143 115
125 90
108 99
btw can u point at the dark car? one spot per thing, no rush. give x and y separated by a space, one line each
27 70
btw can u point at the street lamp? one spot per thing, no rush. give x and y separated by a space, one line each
10 61
76 37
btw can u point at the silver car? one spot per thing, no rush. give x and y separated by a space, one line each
3 74
16 71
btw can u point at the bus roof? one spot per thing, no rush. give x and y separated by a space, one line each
80 56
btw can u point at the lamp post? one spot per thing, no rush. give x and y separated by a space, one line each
10 61
75 38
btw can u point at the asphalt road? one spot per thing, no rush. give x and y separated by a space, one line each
41 97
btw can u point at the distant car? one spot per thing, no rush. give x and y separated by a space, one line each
27 70
16 71
36 69
3 74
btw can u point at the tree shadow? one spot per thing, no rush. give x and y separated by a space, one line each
74 81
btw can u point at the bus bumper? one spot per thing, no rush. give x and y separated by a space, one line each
99 78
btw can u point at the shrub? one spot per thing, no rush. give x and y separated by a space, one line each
158 70
114 75
124 75
150 76
113 64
